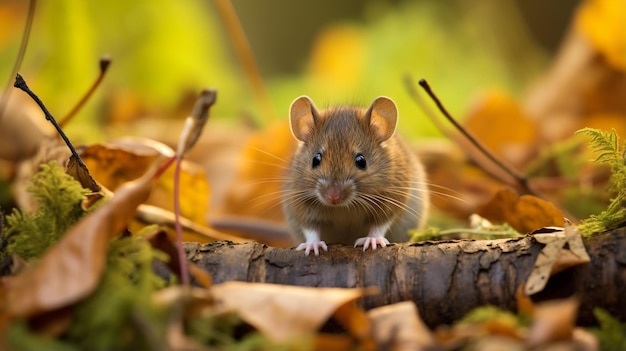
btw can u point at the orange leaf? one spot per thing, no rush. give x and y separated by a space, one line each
498 121
114 163
525 213
256 190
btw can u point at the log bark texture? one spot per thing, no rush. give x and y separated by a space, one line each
445 279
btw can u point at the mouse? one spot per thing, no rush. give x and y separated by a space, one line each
352 179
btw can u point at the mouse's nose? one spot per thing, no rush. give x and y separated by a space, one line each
333 194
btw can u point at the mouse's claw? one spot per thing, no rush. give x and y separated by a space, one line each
315 246
372 242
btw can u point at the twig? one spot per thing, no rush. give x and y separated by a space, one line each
519 178
245 55
21 84
105 62
20 55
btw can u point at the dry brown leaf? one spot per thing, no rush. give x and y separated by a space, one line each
524 213
603 22
80 172
399 327
282 312
543 265
71 269
554 258
553 321
114 163
22 128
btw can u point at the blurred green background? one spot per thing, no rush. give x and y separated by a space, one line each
334 51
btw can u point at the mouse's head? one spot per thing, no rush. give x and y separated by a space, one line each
343 151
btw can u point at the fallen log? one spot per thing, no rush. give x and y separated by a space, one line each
445 279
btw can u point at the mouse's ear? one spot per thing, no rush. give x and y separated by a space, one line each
383 118
302 117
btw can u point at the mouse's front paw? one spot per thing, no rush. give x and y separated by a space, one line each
372 242
315 246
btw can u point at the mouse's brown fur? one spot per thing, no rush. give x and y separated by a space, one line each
391 189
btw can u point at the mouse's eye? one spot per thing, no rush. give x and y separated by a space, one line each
317 159
360 162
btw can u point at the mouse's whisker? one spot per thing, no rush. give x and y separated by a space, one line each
267 153
370 208
404 207
439 194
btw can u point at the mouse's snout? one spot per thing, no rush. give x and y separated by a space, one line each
335 193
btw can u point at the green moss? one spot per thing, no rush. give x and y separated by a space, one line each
59 198
610 153
492 313
120 315
611 333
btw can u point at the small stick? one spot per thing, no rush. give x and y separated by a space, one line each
519 178
105 62
21 84
20 55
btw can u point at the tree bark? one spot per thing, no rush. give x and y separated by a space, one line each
445 279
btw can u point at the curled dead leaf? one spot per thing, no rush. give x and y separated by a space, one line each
72 268
194 124
282 312
553 321
114 163
554 257
399 327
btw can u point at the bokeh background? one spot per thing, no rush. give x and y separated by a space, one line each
522 75
336 52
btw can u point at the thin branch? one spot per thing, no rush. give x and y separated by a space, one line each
105 62
519 178
20 56
21 84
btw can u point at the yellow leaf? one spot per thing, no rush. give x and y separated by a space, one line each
603 22
525 213
338 56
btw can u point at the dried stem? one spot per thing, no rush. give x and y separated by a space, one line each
521 180
245 55
21 84
20 55
105 62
